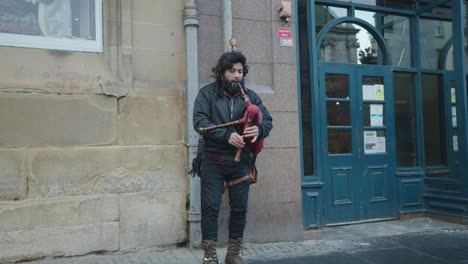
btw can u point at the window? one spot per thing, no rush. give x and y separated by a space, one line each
350 43
433 35
74 25
438 29
402 4
433 117
306 92
405 119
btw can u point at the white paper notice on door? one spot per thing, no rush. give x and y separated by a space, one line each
374 144
373 92
455 143
380 146
454 116
368 92
370 141
376 115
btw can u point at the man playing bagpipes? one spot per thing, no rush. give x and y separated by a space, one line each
233 123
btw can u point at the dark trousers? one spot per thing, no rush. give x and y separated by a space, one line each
214 174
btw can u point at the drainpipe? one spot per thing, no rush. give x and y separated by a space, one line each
191 32
227 24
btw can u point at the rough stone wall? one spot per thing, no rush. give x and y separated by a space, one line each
275 207
91 144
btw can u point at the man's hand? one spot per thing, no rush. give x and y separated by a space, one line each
236 140
251 131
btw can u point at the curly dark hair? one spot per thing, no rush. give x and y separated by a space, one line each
226 61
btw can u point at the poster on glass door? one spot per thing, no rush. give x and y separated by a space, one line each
455 143
372 143
376 115
453 96
454 116
373 92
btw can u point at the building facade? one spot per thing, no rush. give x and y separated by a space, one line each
93 148
368 99
383 104
92 152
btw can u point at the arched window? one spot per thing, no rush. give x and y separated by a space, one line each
351 40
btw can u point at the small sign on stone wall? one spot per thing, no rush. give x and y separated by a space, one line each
285 37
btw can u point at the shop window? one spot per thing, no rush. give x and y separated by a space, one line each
73 25
454 119
401 4
449 60
325 14
433 36
438 29
350 43
396 31
443 9
306 91
434 120
405 119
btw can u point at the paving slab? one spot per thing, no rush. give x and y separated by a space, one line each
450 245
411 241
398 255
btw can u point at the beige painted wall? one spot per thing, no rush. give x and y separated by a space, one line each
91 144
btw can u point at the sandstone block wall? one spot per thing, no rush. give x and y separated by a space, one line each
92 154
91 144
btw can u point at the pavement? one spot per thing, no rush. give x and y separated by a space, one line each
413 241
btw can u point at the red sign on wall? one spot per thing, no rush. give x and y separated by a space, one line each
284 32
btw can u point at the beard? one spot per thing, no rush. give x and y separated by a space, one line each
231 87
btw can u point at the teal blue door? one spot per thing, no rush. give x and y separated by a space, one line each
358 140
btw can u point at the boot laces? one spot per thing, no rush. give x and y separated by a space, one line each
210 252
211 260
236 247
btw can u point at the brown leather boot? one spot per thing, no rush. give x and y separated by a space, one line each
209 246
233 251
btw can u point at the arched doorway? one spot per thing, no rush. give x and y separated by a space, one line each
356 123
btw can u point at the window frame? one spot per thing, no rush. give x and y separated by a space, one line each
58 43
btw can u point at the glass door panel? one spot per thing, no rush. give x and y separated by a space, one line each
434 120
405 119
337 86
339 141
338 107
373 114
373 109
338 113
453 110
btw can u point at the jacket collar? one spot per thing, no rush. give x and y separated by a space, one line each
231 95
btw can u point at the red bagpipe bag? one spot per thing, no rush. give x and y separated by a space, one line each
252 117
